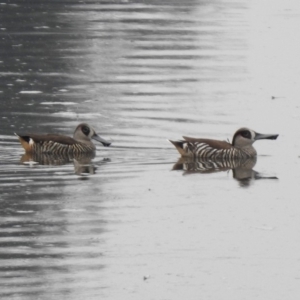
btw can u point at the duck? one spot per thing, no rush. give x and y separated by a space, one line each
241 146
61 144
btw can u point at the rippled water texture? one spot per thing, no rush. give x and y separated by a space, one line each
135 222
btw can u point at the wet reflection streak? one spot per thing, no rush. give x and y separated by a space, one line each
242 169
82 162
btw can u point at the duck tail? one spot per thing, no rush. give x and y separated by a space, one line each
179 146
25 142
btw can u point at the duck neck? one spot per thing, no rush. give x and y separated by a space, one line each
86 145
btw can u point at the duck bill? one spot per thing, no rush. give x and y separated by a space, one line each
101 140
259 136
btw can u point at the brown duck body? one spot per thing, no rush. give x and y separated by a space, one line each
60 144
211 149
241 146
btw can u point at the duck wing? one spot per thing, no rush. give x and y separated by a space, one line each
215 144
200 147
28 140
41 138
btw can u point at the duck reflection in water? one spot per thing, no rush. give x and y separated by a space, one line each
242 169
83 164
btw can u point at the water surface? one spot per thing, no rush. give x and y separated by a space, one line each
129 226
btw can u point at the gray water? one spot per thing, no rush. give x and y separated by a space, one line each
129 226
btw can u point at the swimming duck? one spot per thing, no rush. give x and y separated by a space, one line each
61 144
241 146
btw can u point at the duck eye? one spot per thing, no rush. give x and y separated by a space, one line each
85 130
246 134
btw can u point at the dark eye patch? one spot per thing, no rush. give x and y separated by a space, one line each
85 130
246 134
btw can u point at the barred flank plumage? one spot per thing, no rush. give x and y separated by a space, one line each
58 148
204 150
